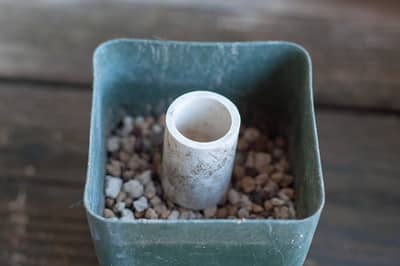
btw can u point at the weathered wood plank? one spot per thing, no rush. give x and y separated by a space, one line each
354 44
44 223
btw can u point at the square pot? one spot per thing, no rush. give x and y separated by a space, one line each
271 84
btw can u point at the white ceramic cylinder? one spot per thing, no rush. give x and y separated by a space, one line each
200 140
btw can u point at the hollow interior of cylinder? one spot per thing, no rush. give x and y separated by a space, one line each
202 119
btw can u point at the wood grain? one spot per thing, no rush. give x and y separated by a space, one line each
354 44
44 223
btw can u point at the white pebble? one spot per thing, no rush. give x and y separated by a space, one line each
210 212
243 213
233 196
184 215
192 215
113 186
277 202
139 120
127 215
144 177
134 188
113 144
127 126
245 202
119 207
157 129
251 134
141 204
198 215
174 215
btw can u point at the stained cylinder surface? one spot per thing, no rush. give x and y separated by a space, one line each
200 140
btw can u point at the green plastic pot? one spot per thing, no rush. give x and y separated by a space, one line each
272 86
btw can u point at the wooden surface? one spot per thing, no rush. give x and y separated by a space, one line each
45 97
354 44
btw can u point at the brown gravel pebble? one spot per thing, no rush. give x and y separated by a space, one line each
210 212
107 213
238 172
164 214
262 160
242 145
261 188
277 177
270 188
289 192
248 184
268 205
114 168
151 214
109 202
121 196
161 209
232 210
277 153
286 181
251 134
283 196
128 174
124 156
128 202
139 215
222 213
150 190
250 160
240 159
292 212
154 201
257 208
282 212
261 179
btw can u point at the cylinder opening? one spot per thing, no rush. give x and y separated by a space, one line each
202 119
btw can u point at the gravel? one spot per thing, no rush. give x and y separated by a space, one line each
113 186
141 204
113 144
174 215
210 212
134 188
145 177
151 214
233 196
261 185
